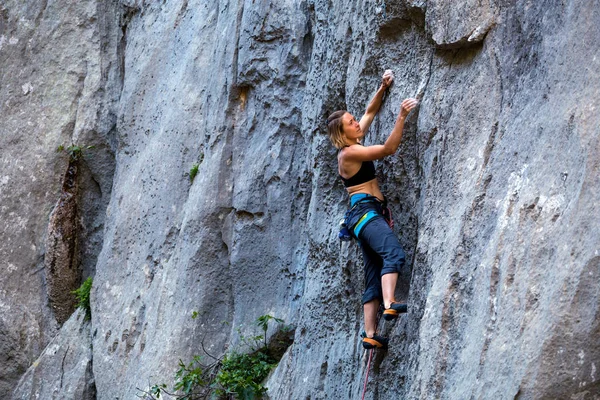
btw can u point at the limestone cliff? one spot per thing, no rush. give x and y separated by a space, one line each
495 191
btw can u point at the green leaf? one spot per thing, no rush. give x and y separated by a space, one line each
194 171
83 297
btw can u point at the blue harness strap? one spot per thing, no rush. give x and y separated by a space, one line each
355 198
363 221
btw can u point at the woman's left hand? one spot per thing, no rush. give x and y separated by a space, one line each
406 107
387 78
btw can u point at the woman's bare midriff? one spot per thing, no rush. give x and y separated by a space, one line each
371 187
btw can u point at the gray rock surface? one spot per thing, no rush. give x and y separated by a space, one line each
494 189
64 369
58 86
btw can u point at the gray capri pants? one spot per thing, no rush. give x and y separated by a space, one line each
382 254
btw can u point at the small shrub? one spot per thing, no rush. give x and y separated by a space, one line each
237 375
194 171
189 377
83 297
263 323
74 151
192 382
156 390
242 374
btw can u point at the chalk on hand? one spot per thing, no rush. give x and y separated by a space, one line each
389 75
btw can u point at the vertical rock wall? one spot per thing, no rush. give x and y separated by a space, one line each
494 189
64 369
504 237
58 86
224 246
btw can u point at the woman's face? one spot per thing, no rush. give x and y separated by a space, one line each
352 129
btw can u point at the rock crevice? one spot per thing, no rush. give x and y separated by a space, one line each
62 259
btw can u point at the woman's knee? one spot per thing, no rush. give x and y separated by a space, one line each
372 293
394 262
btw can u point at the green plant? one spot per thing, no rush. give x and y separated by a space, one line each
157 390
74 151
83 297
263 323
189 377
192 381
194 171
242 374
238 375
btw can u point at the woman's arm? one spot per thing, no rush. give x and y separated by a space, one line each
369 153
375 103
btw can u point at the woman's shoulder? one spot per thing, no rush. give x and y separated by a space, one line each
347 155
351 147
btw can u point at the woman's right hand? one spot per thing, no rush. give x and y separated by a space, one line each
407 106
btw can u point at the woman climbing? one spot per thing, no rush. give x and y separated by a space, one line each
383 256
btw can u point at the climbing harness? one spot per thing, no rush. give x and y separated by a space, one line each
360 213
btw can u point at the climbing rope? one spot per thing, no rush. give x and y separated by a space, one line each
379 313
367 374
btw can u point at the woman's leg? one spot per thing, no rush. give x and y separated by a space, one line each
388 286
370 309
383 244
372 294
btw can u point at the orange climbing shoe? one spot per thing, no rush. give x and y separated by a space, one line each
394 311
375 342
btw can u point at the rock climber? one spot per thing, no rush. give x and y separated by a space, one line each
366 219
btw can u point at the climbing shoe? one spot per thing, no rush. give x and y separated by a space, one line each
394 311
375 342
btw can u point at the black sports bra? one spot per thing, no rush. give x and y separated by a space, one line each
364 174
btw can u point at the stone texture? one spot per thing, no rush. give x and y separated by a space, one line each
172 247
62 259
509 195
64 369
460 24
494 189
55 88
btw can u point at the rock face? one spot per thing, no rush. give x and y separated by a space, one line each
64 370
494 189
59 86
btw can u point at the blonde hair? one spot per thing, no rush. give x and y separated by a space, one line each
335 127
